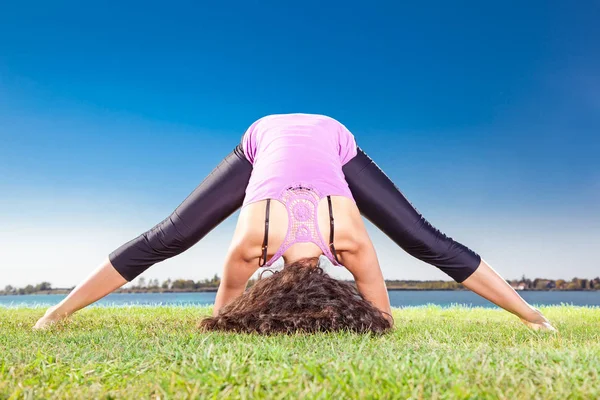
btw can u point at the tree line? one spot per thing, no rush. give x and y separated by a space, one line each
143 285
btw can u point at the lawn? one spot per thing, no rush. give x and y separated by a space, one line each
433 353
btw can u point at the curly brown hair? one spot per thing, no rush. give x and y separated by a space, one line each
299 298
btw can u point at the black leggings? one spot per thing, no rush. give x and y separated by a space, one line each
223 191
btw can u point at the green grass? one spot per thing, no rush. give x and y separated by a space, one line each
433 353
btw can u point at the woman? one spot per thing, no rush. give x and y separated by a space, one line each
313 160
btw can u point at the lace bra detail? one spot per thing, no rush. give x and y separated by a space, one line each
302 204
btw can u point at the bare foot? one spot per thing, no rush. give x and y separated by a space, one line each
538 322
50 318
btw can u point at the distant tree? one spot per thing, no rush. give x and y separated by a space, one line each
166 284
29 289
43 286
178 284
560 283
574 284
189 284
183 284
9 289
540 283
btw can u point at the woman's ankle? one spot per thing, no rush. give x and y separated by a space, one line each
535 316
56 312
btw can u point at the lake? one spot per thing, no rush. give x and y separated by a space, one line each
398 298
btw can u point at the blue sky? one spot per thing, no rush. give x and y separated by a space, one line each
487 116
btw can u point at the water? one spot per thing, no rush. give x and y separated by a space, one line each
398 298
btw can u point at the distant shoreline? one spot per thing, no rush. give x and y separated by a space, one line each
211 290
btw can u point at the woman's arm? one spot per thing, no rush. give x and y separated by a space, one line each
364 266
98 284
235 279
242 256
357 253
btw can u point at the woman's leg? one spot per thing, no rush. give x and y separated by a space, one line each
381 202
487 283
215 199
102 281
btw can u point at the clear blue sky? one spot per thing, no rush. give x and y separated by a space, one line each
486 115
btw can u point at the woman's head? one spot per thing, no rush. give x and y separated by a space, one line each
299 298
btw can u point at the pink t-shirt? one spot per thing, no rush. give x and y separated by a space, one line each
297 149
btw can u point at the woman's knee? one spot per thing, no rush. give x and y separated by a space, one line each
168 239
432 246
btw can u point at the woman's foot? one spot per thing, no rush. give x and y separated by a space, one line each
537 321
51 317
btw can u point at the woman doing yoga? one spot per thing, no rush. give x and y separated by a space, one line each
302 184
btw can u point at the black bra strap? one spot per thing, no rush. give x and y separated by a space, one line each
263 260
331 230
